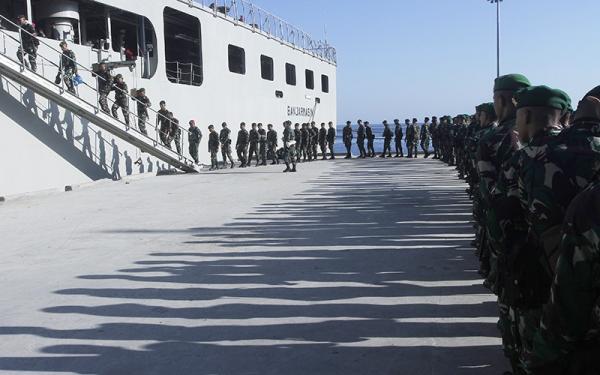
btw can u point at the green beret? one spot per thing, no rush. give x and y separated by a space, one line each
487 108
567 99
595 92
511 82
542 96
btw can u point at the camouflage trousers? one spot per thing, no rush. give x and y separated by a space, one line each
226 153
68 75
176 137
412 148
242 154
399 149
124 109
31 52
214 161
314 151
508 326
193 148
323 147
142 119
272 153
252 152
103 101
290 155
425 144
262 151
330 145
361 147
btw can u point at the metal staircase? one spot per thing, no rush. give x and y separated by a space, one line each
18 72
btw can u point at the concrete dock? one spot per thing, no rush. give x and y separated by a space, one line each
349 267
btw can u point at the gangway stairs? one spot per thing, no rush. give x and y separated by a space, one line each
18 73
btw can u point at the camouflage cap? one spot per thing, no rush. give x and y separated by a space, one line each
487 108
542 96
511 82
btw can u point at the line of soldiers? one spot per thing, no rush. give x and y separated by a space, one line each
414 132
533 168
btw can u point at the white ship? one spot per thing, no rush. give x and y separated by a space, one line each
222 61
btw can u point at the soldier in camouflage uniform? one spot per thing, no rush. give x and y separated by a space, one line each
305 146
262 145
175 133
213 147
416 138
241 146
121 98
410 137
370 140
68 67
253 141
225 140
361 135
29 42
433 129
323 141
426 137
272 145
143 103
314 140
494 150
331 134
105 85
348 136
298 140
388 134
194 138
289 147
398 135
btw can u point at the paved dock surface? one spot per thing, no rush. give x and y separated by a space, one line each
348 267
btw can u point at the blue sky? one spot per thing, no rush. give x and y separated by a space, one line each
406 58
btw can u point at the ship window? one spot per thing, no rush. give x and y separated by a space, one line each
324 83
279 94
266 68
237 60
290 74
310 79
183 48
11 9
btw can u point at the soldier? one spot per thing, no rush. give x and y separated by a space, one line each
253 141
162 119
194 138
323 141
314 140
298 140
360 139
143 103
121 98
225 139
425 137
272 145
241 145
434 137
410 138
370 140
416 137
348 136
398 135
68 67
175 132
331 134
105 83
29 42
388 134
289 147
262 144
213 147
305 142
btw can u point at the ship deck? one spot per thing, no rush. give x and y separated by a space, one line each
347 267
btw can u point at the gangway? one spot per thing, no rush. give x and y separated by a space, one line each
19 73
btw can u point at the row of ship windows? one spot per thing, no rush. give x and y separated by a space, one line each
237 64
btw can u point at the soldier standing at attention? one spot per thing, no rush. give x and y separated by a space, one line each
272 145
262 144
213 147
29 42
194 138
241 145
175 133
298 139
348 136
434 137
323 141
68 67
121 98
426 137
225 139
410 138
289 147
370 140
105 83
305 142
388 134
416 137
253 141
398 135
360 139
143 103
314 140
331 140
162 119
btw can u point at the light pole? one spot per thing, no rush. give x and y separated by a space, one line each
497 2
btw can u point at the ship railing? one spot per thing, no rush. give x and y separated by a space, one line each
184 73
84 91
244 13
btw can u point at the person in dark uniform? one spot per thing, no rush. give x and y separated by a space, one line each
348 136
253 142
175 133
305 142
213 147
360 139
314 140
398 135
370 140
143 103
121 98
241 145
410 138
323 141
105 85
331 140
29 43
225 139
289 147
194 138
298 139
434 137
388 134
262 144
162 119
68 67
272 145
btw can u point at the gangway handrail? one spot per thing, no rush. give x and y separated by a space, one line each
94 75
